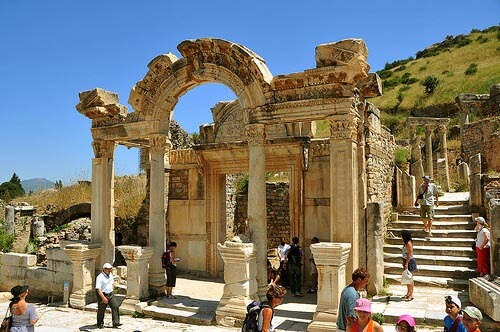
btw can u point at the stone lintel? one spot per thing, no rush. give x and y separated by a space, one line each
129 131
422 121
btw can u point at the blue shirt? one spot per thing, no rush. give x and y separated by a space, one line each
347 303
448 323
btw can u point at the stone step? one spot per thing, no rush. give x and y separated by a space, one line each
439 224
187 304
183 309
437 271
462 242
432 250
419 280
450 218
437 231
437 260
441 209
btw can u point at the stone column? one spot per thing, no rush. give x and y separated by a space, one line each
331 261
257 214
416 167
444 152
103 200
83 257
344 223
375 246
494 221
137 259
428 151
9 219
475 190
159 145
240 288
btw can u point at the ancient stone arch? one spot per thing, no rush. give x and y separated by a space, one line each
270 126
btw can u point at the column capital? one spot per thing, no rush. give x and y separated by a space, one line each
159 144
442 128
256 134
103 149
344 127
428 129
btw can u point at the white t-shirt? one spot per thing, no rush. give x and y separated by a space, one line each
481 236
105 282
283 251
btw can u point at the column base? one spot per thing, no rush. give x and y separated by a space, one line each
323 321
80 300
231 312
128 306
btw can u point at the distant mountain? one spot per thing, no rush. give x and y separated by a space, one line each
37 184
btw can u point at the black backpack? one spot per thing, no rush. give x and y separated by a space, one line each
251 322
165 260
294 255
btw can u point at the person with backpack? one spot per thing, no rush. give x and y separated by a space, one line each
169 263
294 267
260 315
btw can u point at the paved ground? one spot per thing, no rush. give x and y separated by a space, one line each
293 315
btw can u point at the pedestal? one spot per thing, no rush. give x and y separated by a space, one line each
83 257
137 259
240 288
331 259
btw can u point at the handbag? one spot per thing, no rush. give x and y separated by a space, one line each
406 277
7 321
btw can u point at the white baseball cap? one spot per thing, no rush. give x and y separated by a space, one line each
107 266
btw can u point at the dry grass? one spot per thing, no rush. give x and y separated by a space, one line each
129 194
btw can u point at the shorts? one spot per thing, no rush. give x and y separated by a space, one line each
171 276
427 211
412 264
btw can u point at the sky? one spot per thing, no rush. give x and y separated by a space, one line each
52 50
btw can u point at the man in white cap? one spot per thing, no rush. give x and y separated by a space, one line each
104 285
427 193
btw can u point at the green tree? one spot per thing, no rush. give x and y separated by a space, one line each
13 188
430 83
15 179
58 185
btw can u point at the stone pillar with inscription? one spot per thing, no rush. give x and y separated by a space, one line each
428 151
344 183
83 257
444 154
103 200
257 213
240 284
159 146
137 259
331 261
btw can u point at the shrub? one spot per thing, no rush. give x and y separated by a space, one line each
430 83
378 317
472 69
6 240
401 157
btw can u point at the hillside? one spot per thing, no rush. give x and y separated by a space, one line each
37 184
462 64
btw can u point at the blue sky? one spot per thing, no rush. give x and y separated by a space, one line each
52 50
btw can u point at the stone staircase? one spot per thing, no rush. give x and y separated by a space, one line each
444 260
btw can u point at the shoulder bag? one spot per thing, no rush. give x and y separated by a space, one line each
7 321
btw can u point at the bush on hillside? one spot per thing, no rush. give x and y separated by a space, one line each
430 83
6 240
472 69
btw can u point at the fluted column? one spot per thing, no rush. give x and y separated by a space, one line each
331 261
428 150
240 283
344 219
257 216
103 200
444 153
137 259
83 258
159 145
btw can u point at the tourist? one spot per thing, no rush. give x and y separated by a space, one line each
472 319
274 296
405 323
482 246
314 270
409 262
363 323
283 248
294 267
453 318
169 263
428 196
24 316
360 278
104 285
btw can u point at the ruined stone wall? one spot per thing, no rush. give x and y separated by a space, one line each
278 213
483 137
179 184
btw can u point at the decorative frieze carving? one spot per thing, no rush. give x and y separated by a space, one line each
103 149
341 129
159 144
256 134
320 148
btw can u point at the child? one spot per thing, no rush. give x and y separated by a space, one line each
472 319
405 323
364 322
453 319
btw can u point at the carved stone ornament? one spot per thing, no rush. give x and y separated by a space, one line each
103 149
159 144
256 134
441 129
344 129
